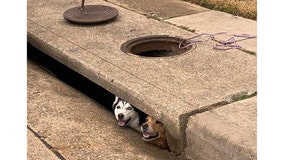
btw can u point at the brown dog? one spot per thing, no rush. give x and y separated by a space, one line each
153 131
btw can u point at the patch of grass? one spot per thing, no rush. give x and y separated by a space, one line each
187 29
153 16
242 8
239 98
249 52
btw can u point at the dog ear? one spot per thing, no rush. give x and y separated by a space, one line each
115 102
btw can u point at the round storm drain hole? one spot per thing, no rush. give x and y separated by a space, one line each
154 46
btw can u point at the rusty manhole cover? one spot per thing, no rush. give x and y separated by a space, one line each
90 14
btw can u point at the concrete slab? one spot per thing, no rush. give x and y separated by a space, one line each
156 9
169 88
228 132
216 21
76 126
37 150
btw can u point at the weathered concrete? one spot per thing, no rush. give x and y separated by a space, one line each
76 126
161 10
37 150
216 21
169 88
225 133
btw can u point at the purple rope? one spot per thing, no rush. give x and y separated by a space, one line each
228 44
221 45
189 42
247 36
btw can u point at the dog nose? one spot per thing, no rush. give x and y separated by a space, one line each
120 116
145 126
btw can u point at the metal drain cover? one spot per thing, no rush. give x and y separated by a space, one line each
90 14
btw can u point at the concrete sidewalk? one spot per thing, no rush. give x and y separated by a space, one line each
195 18
172 89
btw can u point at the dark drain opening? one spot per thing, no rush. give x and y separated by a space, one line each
156 53
154 46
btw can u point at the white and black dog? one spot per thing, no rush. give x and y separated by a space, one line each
126 114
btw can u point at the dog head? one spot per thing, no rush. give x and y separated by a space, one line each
153 130
124 112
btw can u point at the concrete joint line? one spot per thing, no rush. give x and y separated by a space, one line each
231 99
60 156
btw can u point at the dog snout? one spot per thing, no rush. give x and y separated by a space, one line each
145 126
120 116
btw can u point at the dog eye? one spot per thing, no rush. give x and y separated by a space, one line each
129 108
158 122
117 107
